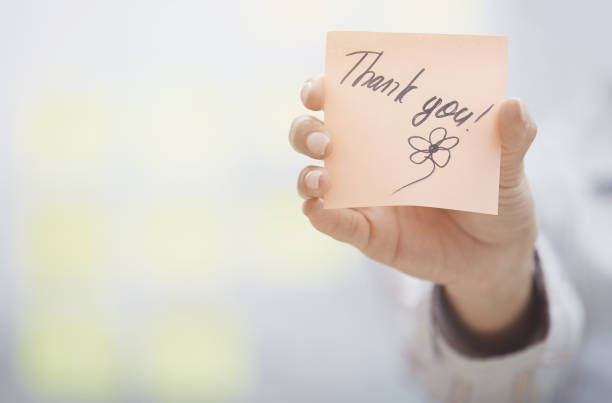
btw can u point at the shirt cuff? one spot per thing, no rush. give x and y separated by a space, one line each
531 328
530 372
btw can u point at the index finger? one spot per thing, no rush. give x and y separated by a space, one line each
313 94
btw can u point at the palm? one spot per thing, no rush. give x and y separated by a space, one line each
434 244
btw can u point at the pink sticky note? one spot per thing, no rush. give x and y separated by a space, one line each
413 119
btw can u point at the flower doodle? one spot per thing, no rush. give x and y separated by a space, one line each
436 149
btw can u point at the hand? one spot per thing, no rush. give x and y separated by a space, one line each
485 262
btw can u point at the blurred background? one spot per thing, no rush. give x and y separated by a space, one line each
153 247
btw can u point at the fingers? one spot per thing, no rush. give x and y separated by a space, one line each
308 136
312 93
518 130
345 225
313 182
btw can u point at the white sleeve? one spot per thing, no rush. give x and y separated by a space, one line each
528 375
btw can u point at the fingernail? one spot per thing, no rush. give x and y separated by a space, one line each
305 91
316 143
312 179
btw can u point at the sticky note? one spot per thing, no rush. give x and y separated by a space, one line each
413 119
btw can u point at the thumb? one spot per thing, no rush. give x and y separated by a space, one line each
518 130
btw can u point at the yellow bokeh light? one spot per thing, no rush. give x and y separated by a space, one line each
62 134
175 127
63 239
177 237
201 357
279 22
267 19
64 357
280 242
434 16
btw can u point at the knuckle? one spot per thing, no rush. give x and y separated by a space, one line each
299 127
331 228
296 125
352 226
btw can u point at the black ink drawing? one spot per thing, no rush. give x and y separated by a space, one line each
436 149
377 82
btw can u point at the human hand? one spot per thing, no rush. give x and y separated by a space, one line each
485 262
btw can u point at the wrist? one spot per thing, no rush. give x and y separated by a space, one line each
498 299
531 327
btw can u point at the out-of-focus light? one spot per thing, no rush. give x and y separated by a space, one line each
280 22
68 358
63 239
199 357
62 134
175 237
177 126
281 243
434 16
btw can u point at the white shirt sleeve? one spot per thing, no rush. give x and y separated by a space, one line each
528 375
